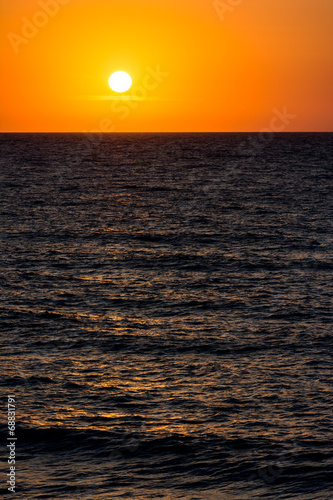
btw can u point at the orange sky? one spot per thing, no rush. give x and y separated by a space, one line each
197 65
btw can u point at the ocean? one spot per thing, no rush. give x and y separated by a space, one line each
167 315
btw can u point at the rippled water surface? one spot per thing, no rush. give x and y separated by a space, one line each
167 315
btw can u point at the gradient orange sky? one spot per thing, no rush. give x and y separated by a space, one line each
196 65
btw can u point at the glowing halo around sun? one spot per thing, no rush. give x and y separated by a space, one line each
120 81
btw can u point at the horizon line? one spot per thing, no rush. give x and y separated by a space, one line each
171 132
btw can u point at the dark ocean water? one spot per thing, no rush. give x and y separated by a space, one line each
167 315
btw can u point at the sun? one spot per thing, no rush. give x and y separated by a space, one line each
120 81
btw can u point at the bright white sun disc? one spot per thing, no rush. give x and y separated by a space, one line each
120 81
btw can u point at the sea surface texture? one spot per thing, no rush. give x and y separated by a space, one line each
167 315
